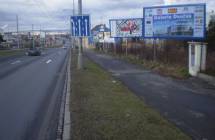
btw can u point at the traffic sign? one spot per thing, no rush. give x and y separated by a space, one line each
80 25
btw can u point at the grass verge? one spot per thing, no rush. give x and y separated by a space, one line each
103 109
171 70
210 72
10 52
174 71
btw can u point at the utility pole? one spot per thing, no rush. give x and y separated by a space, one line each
73 38
45 41
80 61
40 38
17 29
33 35
73 7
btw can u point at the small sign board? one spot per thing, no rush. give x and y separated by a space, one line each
175 21
80 25
42 34
126 27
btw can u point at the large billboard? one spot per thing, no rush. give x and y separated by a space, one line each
126 27
176 21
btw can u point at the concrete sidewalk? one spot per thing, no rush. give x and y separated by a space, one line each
189 104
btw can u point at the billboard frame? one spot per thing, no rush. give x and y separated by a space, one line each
177 38
126 19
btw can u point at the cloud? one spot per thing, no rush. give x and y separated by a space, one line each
55 13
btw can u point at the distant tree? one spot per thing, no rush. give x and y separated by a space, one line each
211 33
1 38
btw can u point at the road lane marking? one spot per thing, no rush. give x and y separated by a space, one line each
16 62
49 61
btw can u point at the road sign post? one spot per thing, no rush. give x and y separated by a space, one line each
80 63
80 27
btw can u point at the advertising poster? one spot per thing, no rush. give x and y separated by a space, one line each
126 27
180 21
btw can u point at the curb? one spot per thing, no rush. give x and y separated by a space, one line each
64 124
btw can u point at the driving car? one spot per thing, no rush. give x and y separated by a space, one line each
34 52
64 47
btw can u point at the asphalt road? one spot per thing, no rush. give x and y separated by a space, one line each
189 104
30 95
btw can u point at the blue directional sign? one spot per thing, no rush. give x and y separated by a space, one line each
80 25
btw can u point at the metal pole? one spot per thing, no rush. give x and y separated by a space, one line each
45 41
17 28
80 61
40 37
73 39
104 41
73 7
33 35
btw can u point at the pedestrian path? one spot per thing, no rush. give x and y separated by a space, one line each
189 104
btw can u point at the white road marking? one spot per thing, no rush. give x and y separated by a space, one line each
49 61
86 27
79 23
16 62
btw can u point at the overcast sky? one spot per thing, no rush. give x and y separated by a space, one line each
54 14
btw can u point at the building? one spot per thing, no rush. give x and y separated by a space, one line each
101 33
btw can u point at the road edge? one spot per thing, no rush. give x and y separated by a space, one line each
64 124
208 78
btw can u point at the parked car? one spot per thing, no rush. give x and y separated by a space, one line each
34 52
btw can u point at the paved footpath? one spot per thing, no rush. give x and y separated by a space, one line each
189 104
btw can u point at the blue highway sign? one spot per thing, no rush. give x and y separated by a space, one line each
80 25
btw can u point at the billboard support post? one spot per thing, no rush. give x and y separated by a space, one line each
154 49
203 56
126 47
114 48
143 48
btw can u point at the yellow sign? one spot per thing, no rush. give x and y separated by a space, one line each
172 10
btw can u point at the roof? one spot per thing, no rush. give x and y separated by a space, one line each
97 28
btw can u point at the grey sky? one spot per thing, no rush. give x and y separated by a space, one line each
54 14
